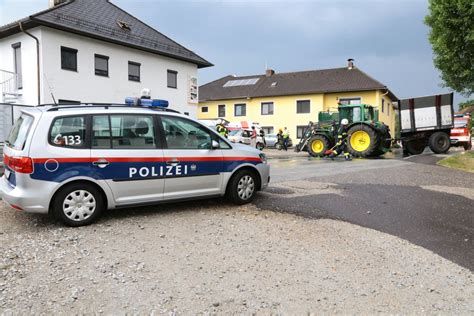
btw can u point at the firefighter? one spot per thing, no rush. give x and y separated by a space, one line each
222 129
341 145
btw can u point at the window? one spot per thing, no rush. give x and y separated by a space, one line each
240 110
123 131
133 71
303 106
268 129
19 132
383 105
267 108
221 110
300 130
350 100
204 109
68 131
68 58
356 115
181 133
172 79
101 65
101 132
388 108
132 131
62 101
17 61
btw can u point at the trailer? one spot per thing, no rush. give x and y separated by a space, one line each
426 122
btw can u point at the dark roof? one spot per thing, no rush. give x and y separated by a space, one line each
293 83
99 19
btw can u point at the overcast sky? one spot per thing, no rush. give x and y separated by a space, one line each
387 39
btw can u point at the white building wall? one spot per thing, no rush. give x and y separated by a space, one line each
28 59
85 86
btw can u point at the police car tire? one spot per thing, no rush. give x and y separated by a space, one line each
68 189
233 187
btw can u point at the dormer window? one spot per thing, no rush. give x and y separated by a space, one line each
273 84
124 25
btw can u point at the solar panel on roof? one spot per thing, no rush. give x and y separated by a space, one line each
241 82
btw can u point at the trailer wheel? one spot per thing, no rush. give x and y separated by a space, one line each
317 145
467 146
363 141
415 147
439 142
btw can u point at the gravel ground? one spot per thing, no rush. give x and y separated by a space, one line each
216 258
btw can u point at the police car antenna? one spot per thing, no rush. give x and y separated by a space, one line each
50 90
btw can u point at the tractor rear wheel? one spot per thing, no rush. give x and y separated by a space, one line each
384 144
439 142
317 145
415 147
363 141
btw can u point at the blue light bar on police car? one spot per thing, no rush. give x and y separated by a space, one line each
146 102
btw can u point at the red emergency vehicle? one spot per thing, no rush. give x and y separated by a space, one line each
461 134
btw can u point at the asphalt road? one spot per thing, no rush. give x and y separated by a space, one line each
412 198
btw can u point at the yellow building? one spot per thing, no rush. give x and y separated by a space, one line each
278 100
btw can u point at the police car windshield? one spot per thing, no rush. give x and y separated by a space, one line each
19 132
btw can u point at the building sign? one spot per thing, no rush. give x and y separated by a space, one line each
192 90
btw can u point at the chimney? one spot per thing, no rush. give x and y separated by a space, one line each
53 3
350 63
269 72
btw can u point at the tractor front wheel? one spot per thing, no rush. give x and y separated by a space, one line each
363 141
317 145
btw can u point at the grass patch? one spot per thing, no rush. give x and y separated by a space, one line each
463 161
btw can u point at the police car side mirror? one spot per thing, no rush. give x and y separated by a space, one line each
215 145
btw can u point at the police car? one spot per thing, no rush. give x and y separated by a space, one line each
76 161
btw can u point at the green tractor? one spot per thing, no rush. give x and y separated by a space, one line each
367 137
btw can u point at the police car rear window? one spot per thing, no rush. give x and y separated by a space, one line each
68 131
19 132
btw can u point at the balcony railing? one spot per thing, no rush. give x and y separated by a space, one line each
9 84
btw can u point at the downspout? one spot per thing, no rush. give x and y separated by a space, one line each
38 77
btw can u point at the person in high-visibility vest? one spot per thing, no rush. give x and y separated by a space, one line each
222 129
286 138
341 145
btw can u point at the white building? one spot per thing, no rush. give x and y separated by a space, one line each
92 51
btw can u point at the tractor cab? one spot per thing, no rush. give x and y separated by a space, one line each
358 113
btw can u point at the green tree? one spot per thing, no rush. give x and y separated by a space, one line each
465 104
452 39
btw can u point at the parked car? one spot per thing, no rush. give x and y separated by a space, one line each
272 140
242 136
76 161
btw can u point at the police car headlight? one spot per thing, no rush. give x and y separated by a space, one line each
263 158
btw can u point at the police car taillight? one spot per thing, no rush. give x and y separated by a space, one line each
19 164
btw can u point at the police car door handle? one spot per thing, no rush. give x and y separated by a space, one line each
172 162
101 163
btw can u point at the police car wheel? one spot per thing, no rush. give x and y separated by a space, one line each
78 204
242 187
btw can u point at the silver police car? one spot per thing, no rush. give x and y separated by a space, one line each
76 161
